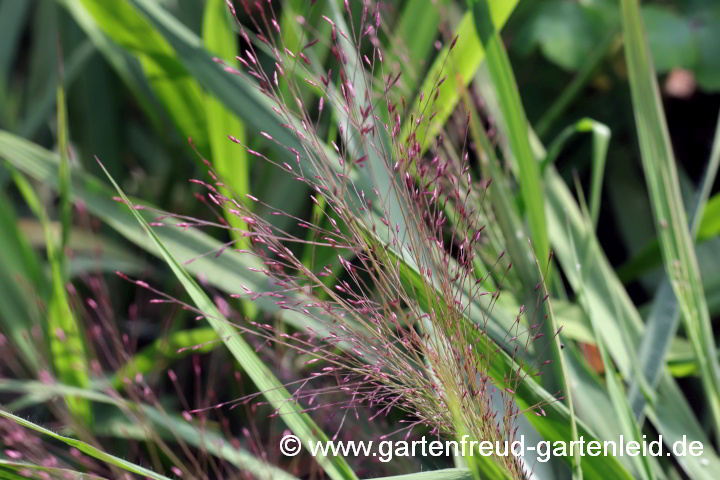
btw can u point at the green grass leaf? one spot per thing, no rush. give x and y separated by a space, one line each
710 225
18 310
67 346
513 112
600 143
460 65
231 163
667 205
664 319
156 356
176 90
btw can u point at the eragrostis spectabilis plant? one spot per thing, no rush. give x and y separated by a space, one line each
393 269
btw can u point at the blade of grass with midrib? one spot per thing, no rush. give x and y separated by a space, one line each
663 322
300 423
668 210
231 164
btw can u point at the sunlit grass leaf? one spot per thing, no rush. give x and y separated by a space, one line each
231 163
710 224
300 423
667 205
177 91
124 65
461 66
